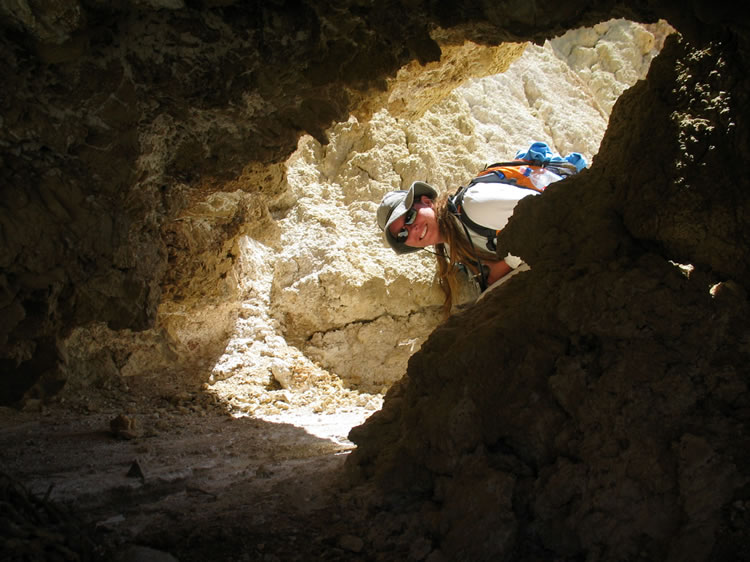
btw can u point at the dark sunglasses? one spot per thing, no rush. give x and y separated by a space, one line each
409 217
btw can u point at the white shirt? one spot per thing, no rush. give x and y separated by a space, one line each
491 205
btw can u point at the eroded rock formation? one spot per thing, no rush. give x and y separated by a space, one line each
140 143
142 140
595 406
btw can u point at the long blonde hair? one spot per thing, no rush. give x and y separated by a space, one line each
457 249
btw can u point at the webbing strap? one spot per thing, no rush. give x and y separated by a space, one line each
480 265
488 176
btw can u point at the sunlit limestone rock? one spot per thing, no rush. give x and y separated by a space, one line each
339 292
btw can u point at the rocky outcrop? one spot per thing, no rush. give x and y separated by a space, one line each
596 406
593 407
140 142
338 291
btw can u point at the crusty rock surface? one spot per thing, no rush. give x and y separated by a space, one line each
141 141
156 235
338 292
611 421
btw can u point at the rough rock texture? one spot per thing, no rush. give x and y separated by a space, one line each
597 405
594 407
197 281
142 141
338 292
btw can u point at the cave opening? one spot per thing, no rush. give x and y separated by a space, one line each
315 344
310 337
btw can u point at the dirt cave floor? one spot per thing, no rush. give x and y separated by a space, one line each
193 476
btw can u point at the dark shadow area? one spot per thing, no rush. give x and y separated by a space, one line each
198 484
595 408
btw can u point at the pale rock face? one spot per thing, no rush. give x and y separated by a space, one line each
610 55
337 291
315 297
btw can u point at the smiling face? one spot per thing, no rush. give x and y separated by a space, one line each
423 231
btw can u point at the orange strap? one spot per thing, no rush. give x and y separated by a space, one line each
518 175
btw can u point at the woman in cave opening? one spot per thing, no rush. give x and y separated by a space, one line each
463 227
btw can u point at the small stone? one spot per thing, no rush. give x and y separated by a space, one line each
436 556
282 373
420 548
263 472
351 543
143 554
32 405
136 471
124 427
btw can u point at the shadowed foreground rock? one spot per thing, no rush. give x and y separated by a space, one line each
597 405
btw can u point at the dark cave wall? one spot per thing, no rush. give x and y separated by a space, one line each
597 406
594 407
115 119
